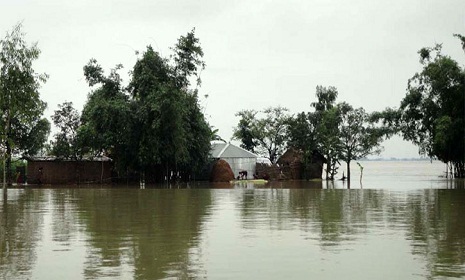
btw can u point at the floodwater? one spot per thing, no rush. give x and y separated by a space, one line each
404 220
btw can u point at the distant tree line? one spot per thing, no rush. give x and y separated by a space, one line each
154 126
431 115
336 130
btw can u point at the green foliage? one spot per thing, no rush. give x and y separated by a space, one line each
268 135
388 121
318 130
245 130
328 138
155 124
21 126
107 118
326 98
188 61
301 132
433 113
327 119
462 40
337 131
67 120
359 136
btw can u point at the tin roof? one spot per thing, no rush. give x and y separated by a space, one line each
54 158
228 150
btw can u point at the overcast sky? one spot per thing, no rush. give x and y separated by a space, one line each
258 53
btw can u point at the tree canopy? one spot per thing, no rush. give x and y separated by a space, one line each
23 130
336 130
432 114
358 135
154 125
67 120
266 136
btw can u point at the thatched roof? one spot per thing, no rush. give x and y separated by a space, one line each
293 155
290 156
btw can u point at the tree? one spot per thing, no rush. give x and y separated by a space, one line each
22 127
267 135
326 98
173 131
67 120
329 139
245 130
107 118
358 135
188 55
155 124
198 138
327 119
433 110
301 132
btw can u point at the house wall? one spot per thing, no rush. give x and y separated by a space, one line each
294 171
239 164
68 172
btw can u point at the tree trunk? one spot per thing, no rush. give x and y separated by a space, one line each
328 166
101 173
8 162
4 174
348 171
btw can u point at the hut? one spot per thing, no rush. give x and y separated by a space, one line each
54 170
292 165
238 158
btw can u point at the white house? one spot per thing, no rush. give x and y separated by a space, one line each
238 158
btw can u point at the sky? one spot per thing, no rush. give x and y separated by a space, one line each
258 53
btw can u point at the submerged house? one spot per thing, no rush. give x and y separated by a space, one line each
238 158
53 170
292 165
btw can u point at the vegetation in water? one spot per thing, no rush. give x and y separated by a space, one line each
154 125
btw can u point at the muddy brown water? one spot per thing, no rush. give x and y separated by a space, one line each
403 221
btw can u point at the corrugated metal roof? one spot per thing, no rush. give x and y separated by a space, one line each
53 158
228 150
217 148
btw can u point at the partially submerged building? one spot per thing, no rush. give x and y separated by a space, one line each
238 158
54 170
292 164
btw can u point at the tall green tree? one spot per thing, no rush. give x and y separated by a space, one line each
173 131
188 60
358 135
22 108
327 120
67 120
329 139
319 130
107 118
433 110
155 125
301 132
267 135
246 129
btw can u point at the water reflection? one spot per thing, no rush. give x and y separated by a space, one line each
151 231
337 220
238 231
19 233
